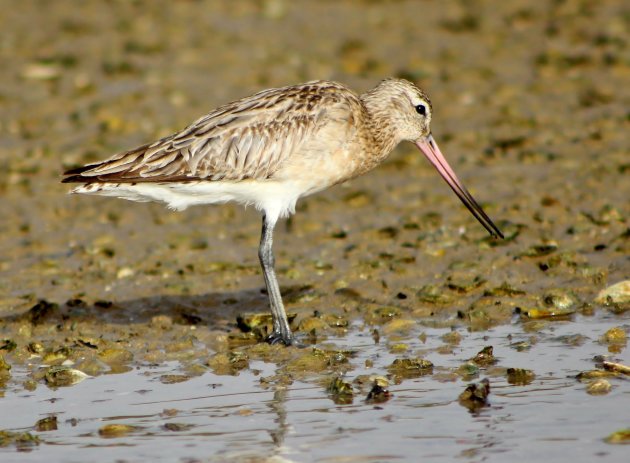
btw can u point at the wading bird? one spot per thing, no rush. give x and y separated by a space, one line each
271 149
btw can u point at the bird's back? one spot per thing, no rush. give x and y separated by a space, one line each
248 139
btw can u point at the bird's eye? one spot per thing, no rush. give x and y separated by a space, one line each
421 109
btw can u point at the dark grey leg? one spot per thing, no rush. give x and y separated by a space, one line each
281 331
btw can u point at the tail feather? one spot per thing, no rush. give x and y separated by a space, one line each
73 178
75 175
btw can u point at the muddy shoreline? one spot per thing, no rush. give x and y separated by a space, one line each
531 108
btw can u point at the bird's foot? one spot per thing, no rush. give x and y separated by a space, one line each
280 338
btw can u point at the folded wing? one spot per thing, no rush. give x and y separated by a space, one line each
247 139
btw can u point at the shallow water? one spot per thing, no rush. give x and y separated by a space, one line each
234 418
531 108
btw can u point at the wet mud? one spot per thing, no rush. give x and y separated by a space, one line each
131 332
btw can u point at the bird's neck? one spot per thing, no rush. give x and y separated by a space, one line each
381 127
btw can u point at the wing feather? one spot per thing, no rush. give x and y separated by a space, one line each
248 139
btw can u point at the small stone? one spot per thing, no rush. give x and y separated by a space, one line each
616 367
35 347
595 374
60 376
55 358
92 366
308 363
340 391
382 314
124 272
484 357
335 320
22 440
619 437
115 355
537 313
619 294
452 337
599 387
615 335
4 366
29 385
116 430
379 392
173 379
559 299
411 367
468 370
475 396
46 424
399 348
521 346
228 363
520 376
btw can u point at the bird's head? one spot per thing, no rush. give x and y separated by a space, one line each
407 110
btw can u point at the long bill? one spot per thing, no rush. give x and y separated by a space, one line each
431 150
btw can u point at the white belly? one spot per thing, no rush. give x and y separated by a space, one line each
276 198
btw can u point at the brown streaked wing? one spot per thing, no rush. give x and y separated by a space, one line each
247 139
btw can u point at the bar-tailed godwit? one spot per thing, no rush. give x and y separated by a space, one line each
269 150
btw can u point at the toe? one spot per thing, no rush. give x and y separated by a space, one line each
279 338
